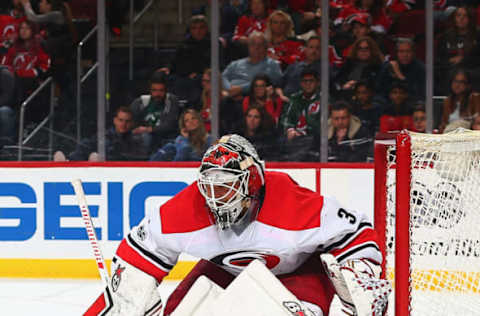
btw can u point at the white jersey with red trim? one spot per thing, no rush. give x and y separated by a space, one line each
292 223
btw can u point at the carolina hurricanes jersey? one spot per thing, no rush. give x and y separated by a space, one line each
293 222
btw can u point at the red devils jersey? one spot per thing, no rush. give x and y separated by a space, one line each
381 22
9 27
247 24
27 63
293 223
287 52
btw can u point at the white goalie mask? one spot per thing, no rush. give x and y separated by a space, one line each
231 177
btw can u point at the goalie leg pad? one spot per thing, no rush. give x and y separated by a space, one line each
310 283
202 268
257 292
199 299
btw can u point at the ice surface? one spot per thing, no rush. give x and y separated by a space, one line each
52 297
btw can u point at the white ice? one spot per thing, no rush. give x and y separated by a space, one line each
54 297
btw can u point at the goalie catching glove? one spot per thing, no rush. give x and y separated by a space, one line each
358 285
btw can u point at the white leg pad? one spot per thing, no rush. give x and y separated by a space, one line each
199 298
257 292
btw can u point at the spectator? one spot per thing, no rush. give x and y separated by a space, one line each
303 12
301 119
9 25
333 57
27 60
256 20
192 142
259 128
7 114
239 74
191 59
419 119
463 102
364 107
381 22
120 143
348 139
229 110
282 45
397 113
404 67
57 30
291 78
396 7
459 46
156 114
230 12
53 17
359 25
363 63
262 95
302 115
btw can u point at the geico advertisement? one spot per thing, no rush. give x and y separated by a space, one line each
40 217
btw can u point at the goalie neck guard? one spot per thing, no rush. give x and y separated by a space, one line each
231 178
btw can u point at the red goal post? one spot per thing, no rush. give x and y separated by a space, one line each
427 215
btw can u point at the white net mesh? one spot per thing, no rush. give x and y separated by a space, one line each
444 223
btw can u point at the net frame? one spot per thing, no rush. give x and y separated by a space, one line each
402 168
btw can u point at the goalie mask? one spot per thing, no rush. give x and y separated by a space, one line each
231 179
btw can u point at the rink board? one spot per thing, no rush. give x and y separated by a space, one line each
41 230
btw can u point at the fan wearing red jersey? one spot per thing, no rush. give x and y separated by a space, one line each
235 213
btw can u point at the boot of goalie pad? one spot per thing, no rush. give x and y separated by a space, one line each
199 299
203 268
257 292
358 285
133 293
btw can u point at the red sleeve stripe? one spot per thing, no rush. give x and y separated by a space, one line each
366 235
355 250
348 237
135 258
101 306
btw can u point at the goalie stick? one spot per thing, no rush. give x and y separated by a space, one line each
92 237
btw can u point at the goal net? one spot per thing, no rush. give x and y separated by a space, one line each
427 213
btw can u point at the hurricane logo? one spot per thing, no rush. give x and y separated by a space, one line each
238 260
294 308
117 277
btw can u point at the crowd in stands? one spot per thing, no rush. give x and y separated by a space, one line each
36 41
269 85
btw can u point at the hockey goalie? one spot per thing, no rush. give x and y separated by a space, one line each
269 246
